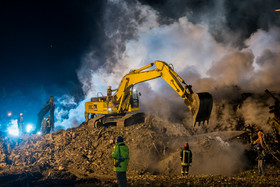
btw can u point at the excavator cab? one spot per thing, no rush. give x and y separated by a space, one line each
134 101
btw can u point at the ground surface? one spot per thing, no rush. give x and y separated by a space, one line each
82 157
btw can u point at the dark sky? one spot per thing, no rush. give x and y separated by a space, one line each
41 46
42 42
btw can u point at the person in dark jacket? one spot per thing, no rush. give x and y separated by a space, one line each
121 158
186 159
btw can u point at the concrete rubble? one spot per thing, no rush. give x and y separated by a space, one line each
82 155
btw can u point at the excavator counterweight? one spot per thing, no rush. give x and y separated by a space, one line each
125 100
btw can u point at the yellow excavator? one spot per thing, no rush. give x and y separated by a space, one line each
121 107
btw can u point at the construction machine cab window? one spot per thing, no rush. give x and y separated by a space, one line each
134 99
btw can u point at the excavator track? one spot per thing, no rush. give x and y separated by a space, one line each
96 121
117 120
130 119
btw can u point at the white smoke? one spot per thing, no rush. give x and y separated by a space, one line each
65 118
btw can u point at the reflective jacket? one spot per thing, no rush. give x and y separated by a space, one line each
121 157
186 157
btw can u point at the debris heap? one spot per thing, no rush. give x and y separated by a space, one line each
84 154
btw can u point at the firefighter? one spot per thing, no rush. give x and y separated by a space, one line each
186 159
44 126
48 127
20 124
121 158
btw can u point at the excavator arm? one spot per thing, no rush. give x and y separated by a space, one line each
200 104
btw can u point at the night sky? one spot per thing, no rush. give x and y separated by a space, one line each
42 43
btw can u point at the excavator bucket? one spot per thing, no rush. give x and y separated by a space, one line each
200 105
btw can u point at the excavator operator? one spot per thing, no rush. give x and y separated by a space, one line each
109 94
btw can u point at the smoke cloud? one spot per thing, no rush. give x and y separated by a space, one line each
207 52
136 34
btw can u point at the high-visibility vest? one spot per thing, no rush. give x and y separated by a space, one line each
186 157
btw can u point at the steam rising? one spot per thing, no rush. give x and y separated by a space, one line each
135 36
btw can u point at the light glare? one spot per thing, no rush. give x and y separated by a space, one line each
13 132
29 128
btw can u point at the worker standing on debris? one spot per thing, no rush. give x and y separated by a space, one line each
186 159
44 126
260 158
20 124
48 125
121 158
260 137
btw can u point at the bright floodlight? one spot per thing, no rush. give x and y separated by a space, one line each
13 132
13 128
29 128
39 133
9 114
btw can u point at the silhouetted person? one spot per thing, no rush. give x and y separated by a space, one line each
44 126
20 124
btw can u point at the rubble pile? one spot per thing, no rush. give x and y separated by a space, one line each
86 150
83 155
